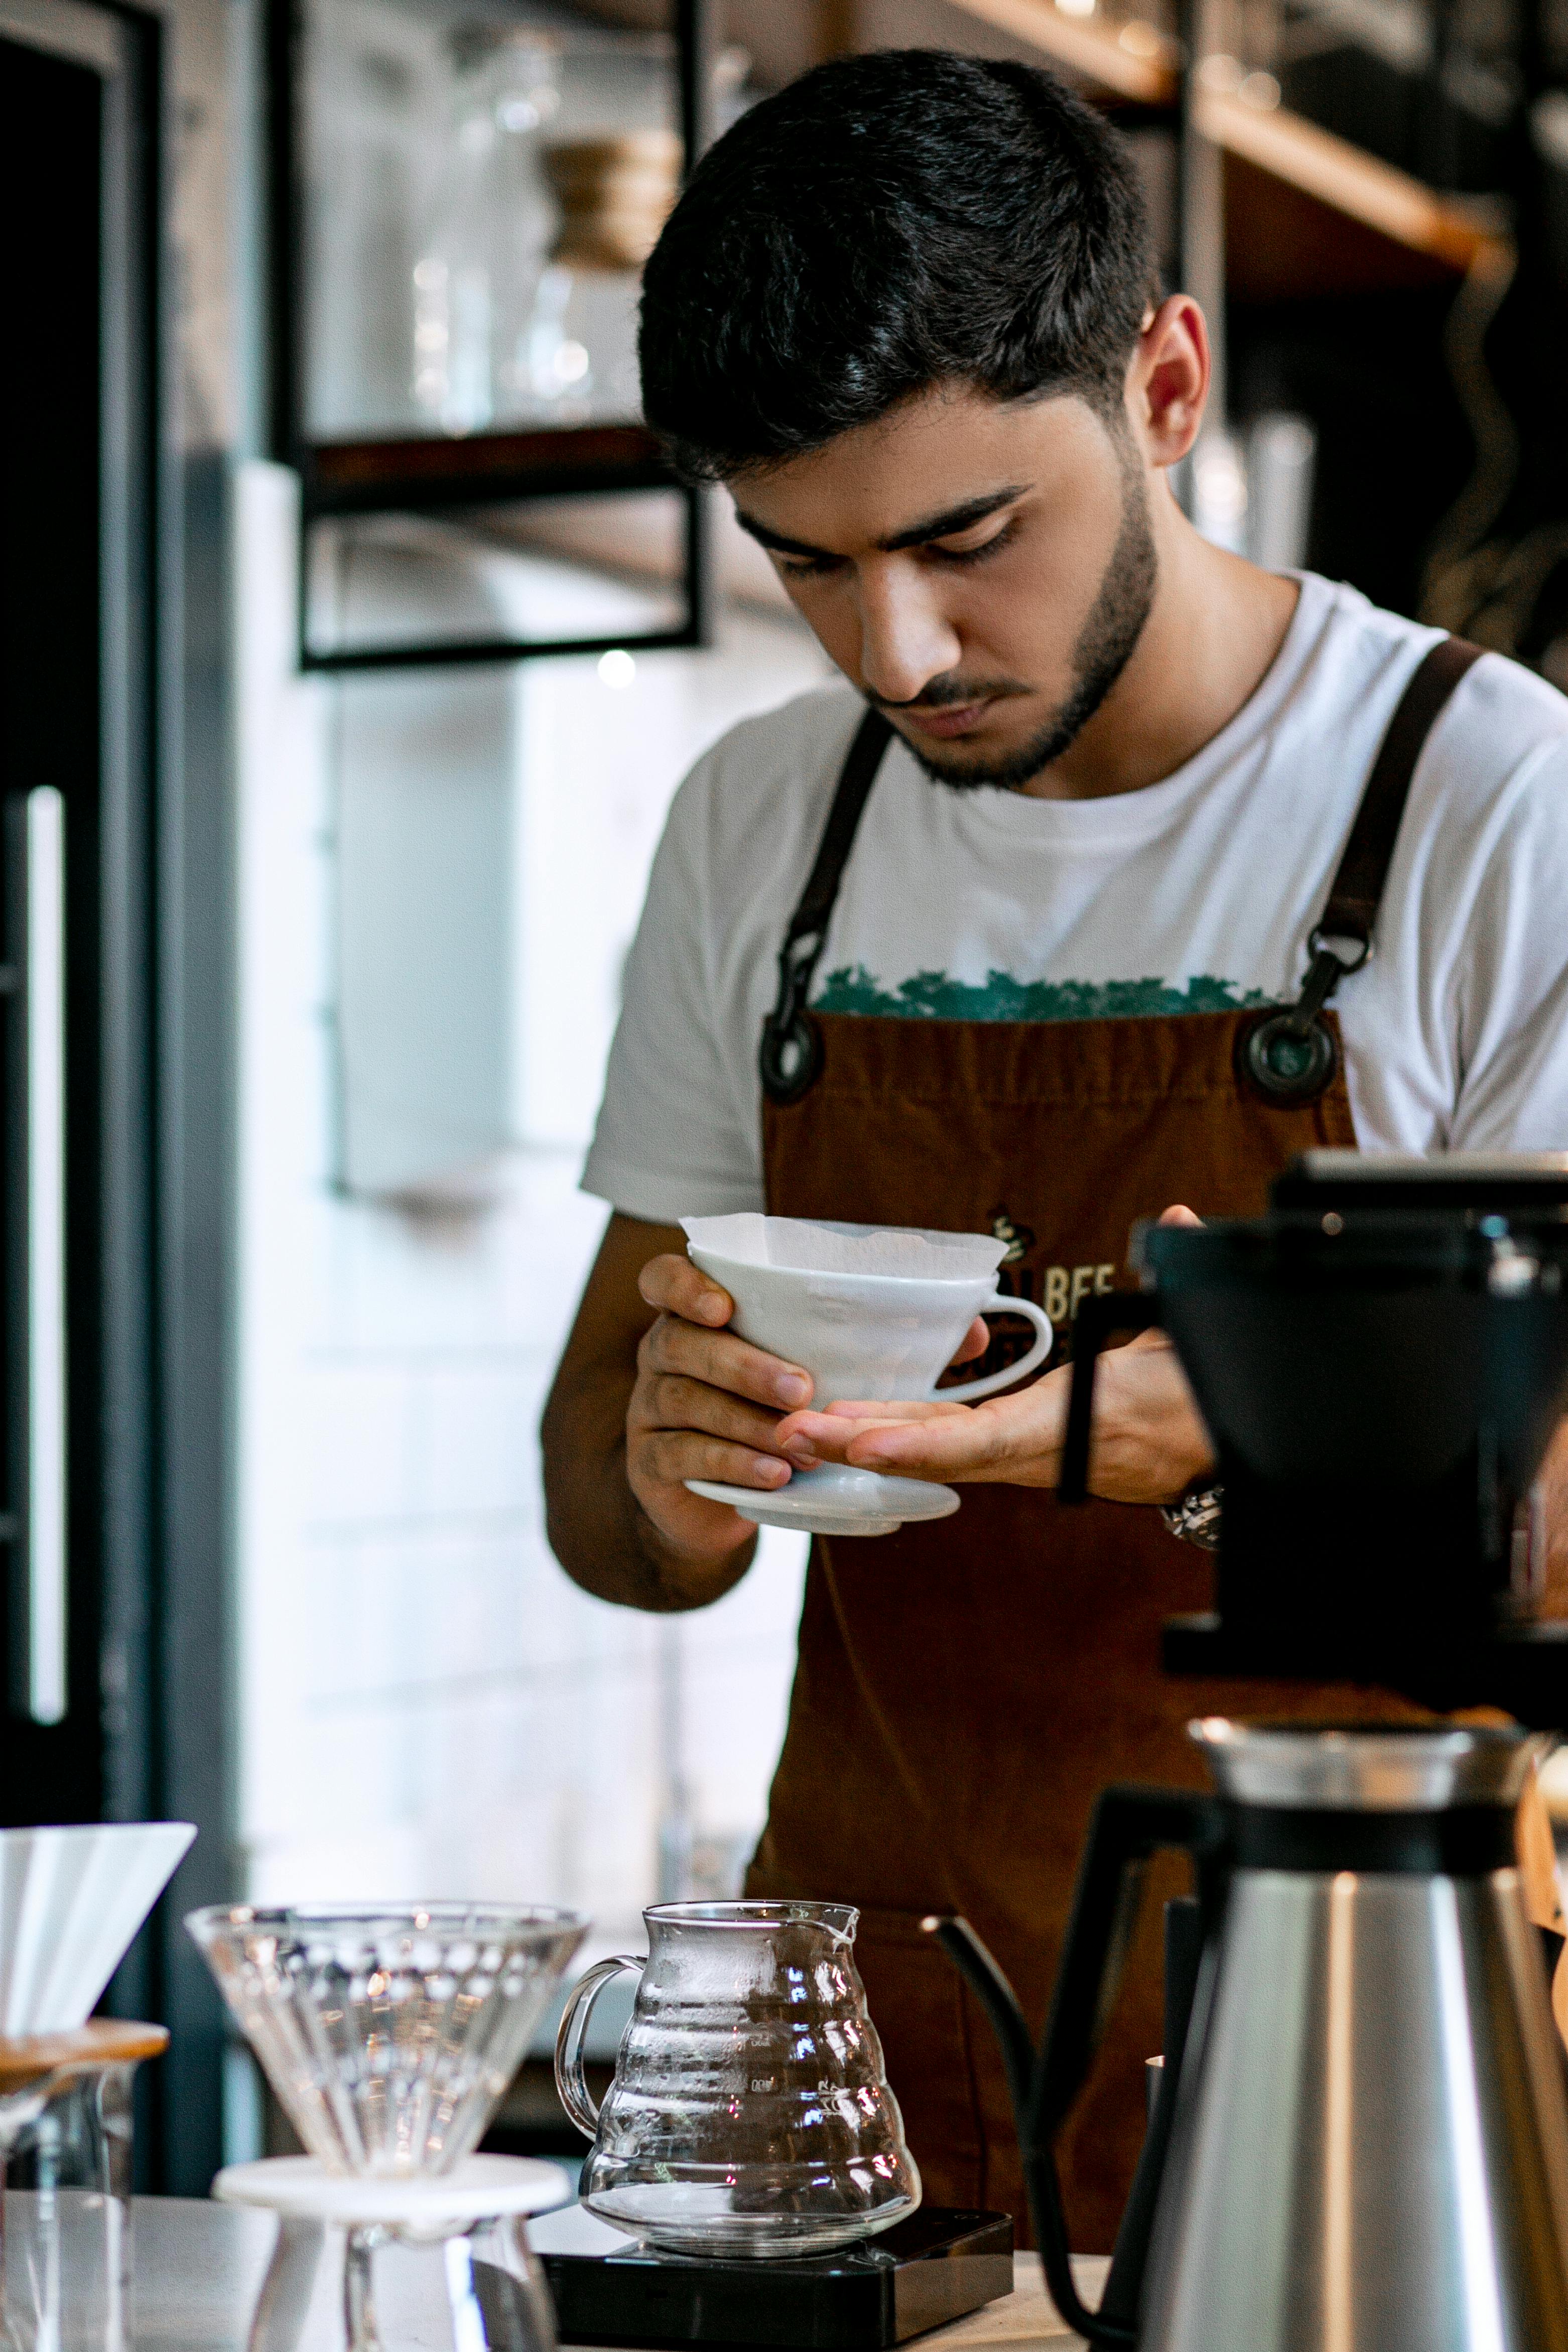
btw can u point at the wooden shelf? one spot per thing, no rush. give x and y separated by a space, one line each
479 469
1137 63
1449 230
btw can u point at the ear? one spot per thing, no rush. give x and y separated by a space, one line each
1168 379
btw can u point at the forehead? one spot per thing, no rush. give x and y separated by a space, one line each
939 450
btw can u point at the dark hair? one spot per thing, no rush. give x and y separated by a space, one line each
886 224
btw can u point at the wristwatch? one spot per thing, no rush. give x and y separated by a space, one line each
1196 1516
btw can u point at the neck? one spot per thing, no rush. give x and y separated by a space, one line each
1213 631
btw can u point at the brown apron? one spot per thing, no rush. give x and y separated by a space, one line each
965 1688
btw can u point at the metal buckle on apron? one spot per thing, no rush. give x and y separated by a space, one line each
790 1055
1290 1057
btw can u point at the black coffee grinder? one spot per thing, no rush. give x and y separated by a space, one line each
1382 1360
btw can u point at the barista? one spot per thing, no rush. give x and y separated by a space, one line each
1043 863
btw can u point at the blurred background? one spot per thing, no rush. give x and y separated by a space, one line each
356 638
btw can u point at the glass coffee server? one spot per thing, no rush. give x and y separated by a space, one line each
463 194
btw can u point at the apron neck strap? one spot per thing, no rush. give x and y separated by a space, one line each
790 1050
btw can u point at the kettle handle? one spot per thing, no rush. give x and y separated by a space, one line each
1113 1310
1128 1825
569 2077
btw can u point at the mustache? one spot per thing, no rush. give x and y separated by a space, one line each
949 693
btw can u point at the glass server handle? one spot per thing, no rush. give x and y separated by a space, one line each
569 2079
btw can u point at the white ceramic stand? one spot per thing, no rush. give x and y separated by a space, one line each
836 1499
474 2213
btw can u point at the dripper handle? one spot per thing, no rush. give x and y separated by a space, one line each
965 1391
569 2077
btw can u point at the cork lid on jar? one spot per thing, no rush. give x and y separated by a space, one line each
615 193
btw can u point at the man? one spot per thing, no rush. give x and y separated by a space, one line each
1091 780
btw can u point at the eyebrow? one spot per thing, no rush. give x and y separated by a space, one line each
945 525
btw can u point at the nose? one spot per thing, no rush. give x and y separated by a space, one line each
906 639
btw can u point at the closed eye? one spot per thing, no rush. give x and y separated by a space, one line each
982 540
808 567
970 547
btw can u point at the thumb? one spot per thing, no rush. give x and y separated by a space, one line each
1177 1216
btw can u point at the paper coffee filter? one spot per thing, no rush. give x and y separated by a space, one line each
913 1252
71 1901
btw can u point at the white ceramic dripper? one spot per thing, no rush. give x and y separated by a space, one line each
870 1311
71 1899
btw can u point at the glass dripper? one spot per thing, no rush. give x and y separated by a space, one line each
389 2034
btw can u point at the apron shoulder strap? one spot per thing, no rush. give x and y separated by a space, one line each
1291 1056
791 1051
1353 899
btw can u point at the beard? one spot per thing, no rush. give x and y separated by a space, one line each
1105 646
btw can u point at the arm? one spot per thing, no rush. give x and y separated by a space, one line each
1149 1442
651 1390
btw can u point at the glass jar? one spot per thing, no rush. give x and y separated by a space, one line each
66 2140
488 228
614 192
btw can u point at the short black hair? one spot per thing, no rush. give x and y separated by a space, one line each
889 222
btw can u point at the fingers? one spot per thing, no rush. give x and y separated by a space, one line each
1015 1438
669 1401
1178 1215
677 1287
811 1437
975 1342
706 1405
668 1457
679 1429
720 1361
680 1425
916 1409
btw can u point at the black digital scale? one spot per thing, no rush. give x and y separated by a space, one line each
935 2267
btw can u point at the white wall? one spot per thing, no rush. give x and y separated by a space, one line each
426 1706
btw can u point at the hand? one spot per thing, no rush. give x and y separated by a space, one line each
707 1404
1149 1441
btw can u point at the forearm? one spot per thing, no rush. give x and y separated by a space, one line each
595 1526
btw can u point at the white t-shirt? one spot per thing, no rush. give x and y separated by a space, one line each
1194 894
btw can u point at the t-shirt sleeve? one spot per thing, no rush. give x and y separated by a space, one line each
1511 983
674 1138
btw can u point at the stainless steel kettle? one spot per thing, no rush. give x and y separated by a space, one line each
1362 2145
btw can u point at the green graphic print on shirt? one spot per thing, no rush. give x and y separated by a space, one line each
934 996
